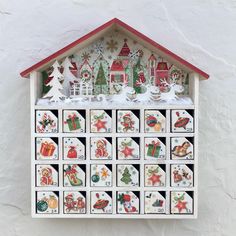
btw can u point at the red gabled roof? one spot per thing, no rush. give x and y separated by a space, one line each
152 58
117 65
124 52
123 25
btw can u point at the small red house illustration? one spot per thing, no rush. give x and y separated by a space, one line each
118 77
117 72
162 72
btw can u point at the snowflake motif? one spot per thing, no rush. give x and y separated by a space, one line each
134 54
85 56
99 47
114 34
112 45
140 53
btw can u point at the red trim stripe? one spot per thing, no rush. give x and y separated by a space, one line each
26 72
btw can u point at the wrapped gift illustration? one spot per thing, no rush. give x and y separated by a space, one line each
101 175
46 122
127 202
181 148
181 202
101 148
127 121
155 202
181 121
128 148
74 202
154 148
154 121
74 121
47 175
127 175
47 202
181 175
74 175
101 121
74 148
46 148
101 202
154 175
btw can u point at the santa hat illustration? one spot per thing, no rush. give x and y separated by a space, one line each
47 170
127 116
102 141
69 196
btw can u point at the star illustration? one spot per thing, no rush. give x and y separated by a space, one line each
127 151
181 206
104 173
100 125
155 179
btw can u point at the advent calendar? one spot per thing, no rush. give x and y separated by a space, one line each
114 129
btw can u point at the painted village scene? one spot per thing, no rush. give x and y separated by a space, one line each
114 69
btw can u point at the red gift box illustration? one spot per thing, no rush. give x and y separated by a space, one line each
47 149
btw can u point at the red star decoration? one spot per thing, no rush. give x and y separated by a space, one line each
181 206
100 125
155 179
127 151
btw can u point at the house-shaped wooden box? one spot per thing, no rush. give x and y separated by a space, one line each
114 129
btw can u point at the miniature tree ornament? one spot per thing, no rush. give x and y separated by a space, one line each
68 76
55 93
126 176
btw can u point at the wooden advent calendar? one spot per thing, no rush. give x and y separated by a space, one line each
114 129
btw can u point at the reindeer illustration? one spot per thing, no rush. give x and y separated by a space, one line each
171 94
127 94
150 94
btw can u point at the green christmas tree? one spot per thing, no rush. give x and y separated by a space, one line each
137 68
101 82
101 78
46 88
126 176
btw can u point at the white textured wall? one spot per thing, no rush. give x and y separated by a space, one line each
203 32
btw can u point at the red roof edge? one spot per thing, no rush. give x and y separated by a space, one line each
163 49
26 72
